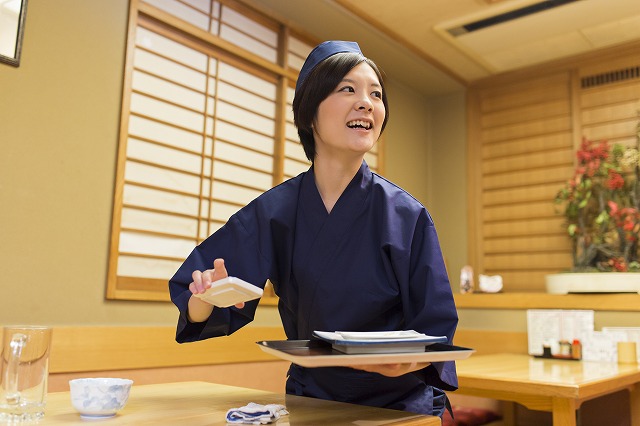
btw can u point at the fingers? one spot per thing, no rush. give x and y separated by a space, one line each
198 285
219 271
202 280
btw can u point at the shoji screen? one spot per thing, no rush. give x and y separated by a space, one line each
200 139
206 127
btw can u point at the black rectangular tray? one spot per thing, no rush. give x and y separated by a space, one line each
318 353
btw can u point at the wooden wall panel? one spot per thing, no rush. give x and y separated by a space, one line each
553 107
611 112
602 95
97 348
525 260
523 92
526 129
518 228
512 244
519 211
602 113
526 126
545 143
264 375
528 161
519 178
527 153
613 131
520 195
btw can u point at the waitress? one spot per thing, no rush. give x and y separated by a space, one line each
344 248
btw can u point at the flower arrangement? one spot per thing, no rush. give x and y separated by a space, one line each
602 208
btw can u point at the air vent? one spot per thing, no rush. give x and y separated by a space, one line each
520 33
508 16
610 77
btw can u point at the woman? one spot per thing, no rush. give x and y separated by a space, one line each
344 248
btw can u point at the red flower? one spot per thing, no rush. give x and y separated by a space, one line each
601 207
588 153
601 151
618 264
615 180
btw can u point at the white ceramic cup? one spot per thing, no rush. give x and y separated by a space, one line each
99 397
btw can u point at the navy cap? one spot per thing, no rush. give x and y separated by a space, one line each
322 52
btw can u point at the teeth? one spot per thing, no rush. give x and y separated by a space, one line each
359 123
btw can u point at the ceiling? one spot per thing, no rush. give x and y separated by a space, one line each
412 39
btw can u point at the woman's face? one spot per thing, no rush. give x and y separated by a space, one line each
349 121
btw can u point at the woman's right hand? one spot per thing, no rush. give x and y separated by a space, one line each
199 310
202 280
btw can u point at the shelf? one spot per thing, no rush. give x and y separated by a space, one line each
594 301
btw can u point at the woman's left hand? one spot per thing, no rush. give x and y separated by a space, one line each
392 370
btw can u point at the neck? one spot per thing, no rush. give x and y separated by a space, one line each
332 178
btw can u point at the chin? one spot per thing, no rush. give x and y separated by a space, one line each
364 147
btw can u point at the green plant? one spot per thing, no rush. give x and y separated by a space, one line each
602 208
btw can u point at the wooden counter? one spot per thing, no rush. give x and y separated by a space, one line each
201 403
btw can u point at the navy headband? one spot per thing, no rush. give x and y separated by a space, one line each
322 52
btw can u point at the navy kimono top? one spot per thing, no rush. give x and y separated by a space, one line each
373 264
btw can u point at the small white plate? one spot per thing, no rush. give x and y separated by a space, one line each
389 337
230 291
379 335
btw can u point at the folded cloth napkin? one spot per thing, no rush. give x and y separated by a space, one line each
256 414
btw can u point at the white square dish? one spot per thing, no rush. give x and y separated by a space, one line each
230 291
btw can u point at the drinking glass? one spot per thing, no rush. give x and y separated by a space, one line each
24 370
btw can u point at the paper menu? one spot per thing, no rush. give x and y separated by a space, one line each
550 326
601 346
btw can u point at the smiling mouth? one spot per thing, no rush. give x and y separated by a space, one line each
359 124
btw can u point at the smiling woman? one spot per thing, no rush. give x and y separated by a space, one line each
12 19
345 248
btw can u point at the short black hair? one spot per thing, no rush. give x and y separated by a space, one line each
322 80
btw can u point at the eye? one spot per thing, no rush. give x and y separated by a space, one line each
346 89
377 94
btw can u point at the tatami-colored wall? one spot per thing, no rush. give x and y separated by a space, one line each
59 118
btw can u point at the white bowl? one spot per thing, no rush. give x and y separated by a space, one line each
99 397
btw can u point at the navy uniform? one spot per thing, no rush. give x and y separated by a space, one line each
372 264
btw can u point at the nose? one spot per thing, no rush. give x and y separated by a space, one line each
364 103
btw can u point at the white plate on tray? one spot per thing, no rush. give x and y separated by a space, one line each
378 341
377 337
318 353
382 336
